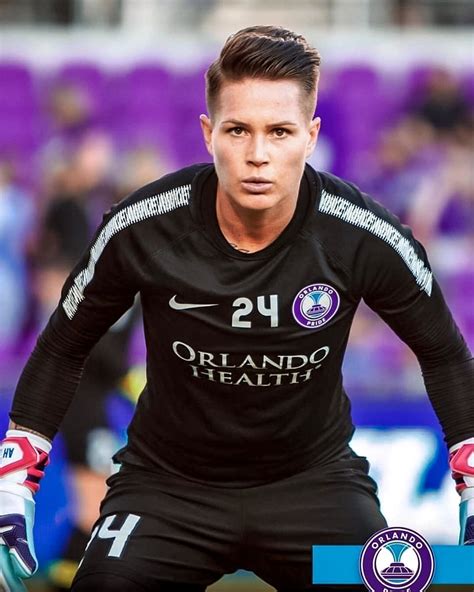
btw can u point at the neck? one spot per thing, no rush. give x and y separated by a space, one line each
249 231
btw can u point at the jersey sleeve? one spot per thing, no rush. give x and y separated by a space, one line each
96 294
396 281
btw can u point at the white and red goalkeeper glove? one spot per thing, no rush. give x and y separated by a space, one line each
23 458
461 461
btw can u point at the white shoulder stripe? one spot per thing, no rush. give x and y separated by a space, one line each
141 210
339 207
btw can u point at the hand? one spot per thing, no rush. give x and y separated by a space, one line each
461 461
23 457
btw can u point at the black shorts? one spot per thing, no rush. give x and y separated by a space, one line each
155 527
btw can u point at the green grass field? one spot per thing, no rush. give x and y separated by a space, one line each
241 582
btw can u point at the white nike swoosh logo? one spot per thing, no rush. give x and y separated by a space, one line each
186 305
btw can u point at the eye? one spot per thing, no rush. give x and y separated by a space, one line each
280 132
236 131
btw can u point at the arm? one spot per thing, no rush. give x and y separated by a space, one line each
428 328
423 321
396 281
98 291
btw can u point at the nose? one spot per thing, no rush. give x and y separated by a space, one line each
257 154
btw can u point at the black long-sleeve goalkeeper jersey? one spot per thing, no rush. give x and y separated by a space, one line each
244 351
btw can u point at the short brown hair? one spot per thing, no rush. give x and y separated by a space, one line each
268 52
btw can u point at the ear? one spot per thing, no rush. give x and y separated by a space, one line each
206 126
314 127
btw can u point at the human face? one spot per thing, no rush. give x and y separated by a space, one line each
259 137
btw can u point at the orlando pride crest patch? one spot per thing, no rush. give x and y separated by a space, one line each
315 305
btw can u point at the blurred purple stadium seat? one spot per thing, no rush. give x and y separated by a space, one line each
82 74
17 89
459 293
140 106
360 111
462 286
20 117
467 85
188 96
18 133
457 217
332 132
357 77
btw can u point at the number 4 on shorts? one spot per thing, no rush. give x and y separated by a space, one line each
119 536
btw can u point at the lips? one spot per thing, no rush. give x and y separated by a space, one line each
256 184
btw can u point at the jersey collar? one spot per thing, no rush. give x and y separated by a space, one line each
203 208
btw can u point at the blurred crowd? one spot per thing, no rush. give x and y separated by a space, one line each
422 170
52 197
74 142
408 141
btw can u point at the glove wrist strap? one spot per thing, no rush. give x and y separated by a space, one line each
35 439
23 458
461 461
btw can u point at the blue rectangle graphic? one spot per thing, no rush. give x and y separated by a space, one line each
337 564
